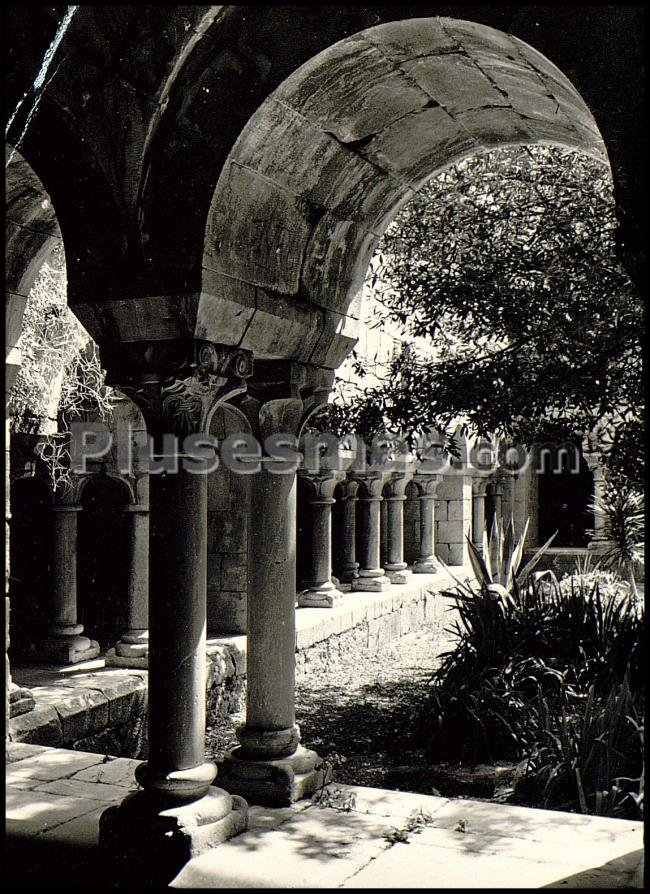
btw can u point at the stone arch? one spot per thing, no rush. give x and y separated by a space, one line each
333 153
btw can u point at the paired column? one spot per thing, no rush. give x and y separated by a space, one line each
372 576
394 497
133 646
347 530
427 485
319 591
66 643
594 462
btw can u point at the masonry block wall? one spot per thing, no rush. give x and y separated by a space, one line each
453 519
228 518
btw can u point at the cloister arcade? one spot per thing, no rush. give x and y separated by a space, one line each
218 207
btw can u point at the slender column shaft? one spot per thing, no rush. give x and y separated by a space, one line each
427 529
348 533
64 584
138 569
369 536
478 520
320 565
270 730
395 533
177 637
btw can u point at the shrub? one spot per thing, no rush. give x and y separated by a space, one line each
535 667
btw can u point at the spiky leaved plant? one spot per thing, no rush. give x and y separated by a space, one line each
622 509
498 566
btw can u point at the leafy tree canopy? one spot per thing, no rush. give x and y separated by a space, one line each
518 318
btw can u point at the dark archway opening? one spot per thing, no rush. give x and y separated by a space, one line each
31 565
565 488
102 552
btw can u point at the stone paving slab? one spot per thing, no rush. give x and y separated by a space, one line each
503 847
59 802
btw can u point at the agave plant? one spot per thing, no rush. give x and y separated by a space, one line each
623 531
498 566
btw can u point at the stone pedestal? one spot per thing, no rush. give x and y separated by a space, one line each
347 531
132 649
372 576
274 782
394 497
427 485
148 842
66 643
318 589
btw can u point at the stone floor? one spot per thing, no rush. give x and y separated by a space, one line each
55 797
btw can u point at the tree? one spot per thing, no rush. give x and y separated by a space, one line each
517 316
60 379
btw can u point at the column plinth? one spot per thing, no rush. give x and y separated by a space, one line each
65 643
426 563
318 590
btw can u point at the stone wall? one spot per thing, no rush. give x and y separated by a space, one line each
453 519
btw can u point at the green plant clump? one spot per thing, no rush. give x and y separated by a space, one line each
549 673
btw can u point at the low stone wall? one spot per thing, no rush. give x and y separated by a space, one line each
103 710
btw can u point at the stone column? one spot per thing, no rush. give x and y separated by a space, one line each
319 591
347 531
372 576
179 812
65 643
270 766
594 462
394 497
132 648
18 700
426 563
479 488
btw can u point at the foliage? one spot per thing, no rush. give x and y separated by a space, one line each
60 378
517 316
525 664
499 563
623 530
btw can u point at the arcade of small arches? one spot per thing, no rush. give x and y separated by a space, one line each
216 271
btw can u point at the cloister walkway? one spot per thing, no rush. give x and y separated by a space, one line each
55 798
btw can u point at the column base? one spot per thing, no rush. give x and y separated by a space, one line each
146 842
325 597
371 584
428 567
72 649
399 577
132 650
274 783
20 700
348 575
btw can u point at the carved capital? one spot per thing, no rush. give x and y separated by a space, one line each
397 482
427 484
371 483
480 485
320 485
348 489
178 384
